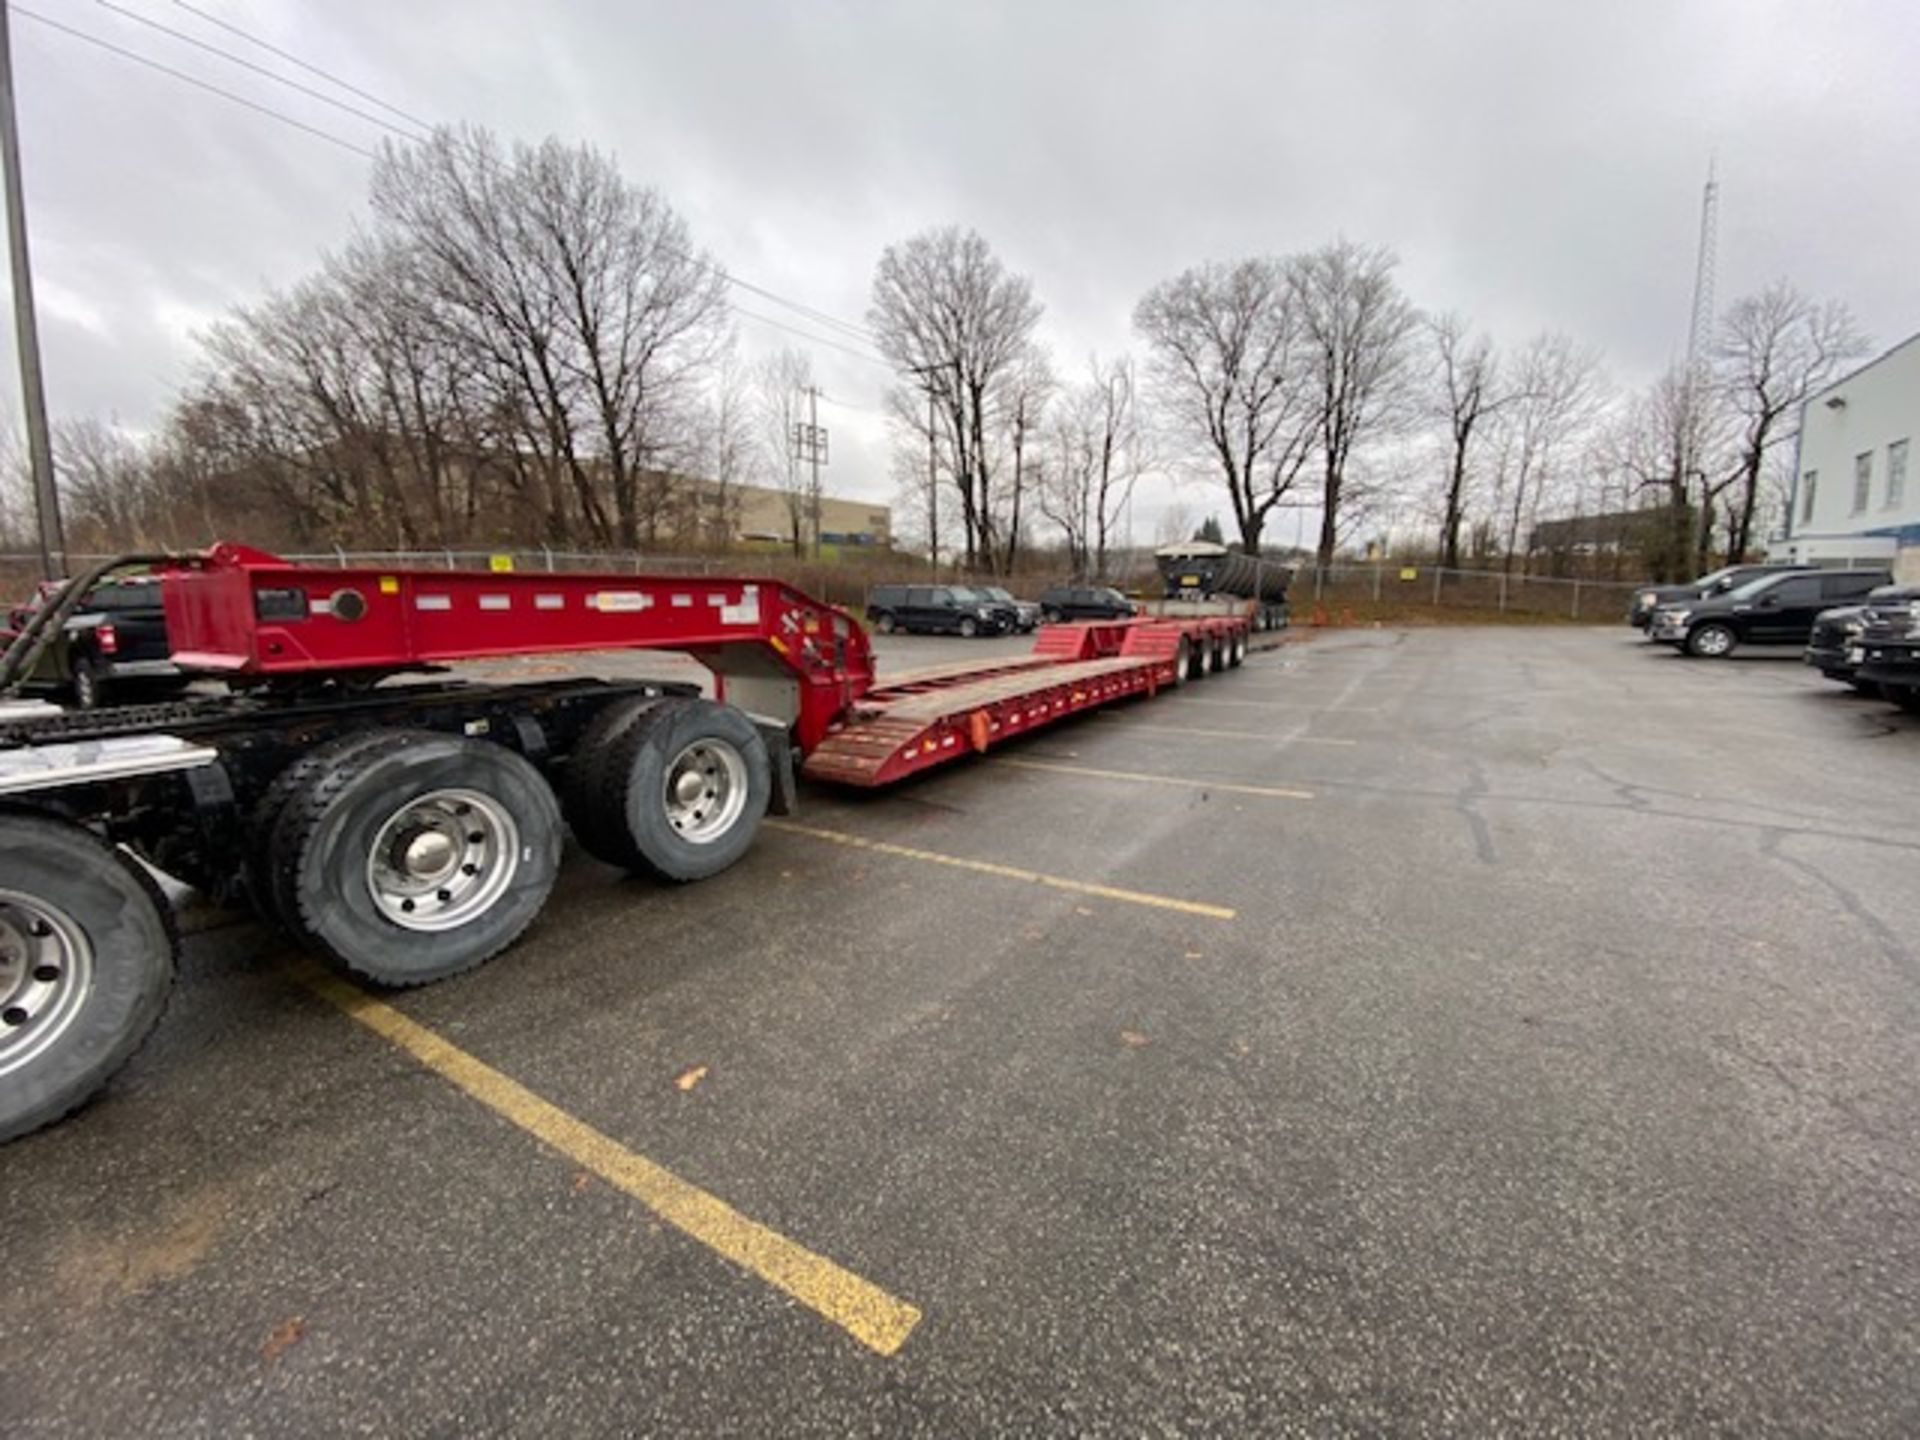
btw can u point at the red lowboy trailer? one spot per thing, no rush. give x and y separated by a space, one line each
412 830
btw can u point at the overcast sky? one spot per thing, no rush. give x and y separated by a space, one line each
1536 165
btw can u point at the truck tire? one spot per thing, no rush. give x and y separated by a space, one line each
89 686
969 627
591 773
884 623
1907 697
304 772
684 790
416 857
87 954
1236 649
1182 664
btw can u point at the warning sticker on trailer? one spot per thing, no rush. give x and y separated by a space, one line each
620 602
747 612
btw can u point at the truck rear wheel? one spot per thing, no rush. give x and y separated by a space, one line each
417 856
1237 648
1196 659
86 959
592 772
681 791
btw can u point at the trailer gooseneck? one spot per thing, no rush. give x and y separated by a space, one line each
410 831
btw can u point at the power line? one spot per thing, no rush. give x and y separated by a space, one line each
244 64
867 356
196 82
311 69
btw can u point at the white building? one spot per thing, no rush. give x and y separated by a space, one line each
1856 499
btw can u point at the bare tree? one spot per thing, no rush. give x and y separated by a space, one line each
1650 443
1467 394
1557 392
780 384
729 455
1097 451
581 295
948 311
1775 348
1226 363
1355 325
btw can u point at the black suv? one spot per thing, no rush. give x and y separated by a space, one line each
1835 649
936 609
1776 609
115 643
1651 598
1083 602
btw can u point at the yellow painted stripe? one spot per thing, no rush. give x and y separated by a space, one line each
1271 792
861 1308
1004 872
1227 734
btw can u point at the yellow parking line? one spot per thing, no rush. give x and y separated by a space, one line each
861 1308
1228 734
1272 792
1005 872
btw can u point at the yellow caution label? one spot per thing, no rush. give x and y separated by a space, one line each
1407 572
500 564
389 584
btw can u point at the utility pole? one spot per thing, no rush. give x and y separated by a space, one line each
808 442
926 374
33 394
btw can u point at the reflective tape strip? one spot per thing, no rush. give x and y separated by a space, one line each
549 602
434 602
496 602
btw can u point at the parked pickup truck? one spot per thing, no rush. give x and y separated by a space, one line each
1776 609
1834 648
112 647
1645 602
1887 654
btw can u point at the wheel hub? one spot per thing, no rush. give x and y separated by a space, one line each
443 859
46 973
706 790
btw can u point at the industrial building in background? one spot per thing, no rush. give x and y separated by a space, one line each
1854 499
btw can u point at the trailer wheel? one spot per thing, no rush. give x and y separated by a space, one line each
86 959
417 856
1181 665
593 771
1237 649
688 785
1196 660
260 878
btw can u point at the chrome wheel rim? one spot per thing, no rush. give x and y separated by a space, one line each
705 792
1712 641
443 859
46 975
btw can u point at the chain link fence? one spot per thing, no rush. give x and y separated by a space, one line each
1360 590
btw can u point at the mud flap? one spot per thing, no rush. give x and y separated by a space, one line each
784 797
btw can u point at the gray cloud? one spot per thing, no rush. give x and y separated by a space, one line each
1536 166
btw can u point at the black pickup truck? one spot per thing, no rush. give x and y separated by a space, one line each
1887 654
1834 647
113 647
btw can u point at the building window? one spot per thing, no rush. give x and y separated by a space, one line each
1810 482
1862 481
1896 474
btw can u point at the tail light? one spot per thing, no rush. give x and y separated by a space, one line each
107 638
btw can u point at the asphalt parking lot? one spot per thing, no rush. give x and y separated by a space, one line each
1446 1031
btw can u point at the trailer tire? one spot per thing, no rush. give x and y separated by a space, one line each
1236 649
113 944
260 878
417 856
1196 659
1181 652
652 797
592 773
